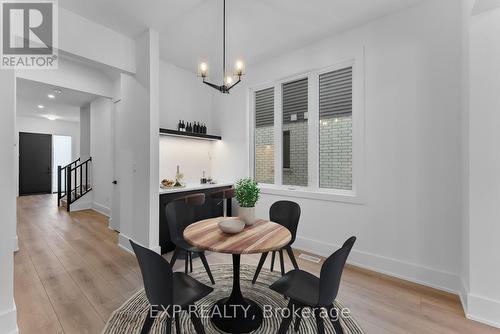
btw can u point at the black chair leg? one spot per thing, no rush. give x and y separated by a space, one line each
285 322
177 324
191 262
148 323
273 257
333 313
198 326
207 267
319 321
282 263
297 321
186 263
292 257
174 256
168 329
259 267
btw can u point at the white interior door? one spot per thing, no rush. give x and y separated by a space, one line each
116 206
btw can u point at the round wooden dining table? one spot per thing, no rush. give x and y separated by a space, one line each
236 314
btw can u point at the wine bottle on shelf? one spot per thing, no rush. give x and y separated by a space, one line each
190 127
179 126
183 127
197 127
204 128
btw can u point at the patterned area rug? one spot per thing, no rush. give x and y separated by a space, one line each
130 316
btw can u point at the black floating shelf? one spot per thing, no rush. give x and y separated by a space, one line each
175 133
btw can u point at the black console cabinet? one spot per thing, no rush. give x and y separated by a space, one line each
212 208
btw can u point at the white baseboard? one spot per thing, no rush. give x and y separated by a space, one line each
404 270
124 243
484 310
102 209
16 244
83 203
8 321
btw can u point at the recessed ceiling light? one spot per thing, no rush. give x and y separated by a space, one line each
40 106
57 91
51 96
51 117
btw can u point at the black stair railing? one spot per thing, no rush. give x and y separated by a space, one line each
78 181
61 177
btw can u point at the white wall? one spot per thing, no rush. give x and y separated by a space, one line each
192 156
137 147
89 40
102 154
467 6
8 238
409 223
183 96
85 132
57 127
484 229
74 75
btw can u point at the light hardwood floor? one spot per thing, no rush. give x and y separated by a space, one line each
70 275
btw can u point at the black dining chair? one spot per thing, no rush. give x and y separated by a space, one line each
287 214
180 214
166 290
306 290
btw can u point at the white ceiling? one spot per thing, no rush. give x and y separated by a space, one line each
481 6
190 30
65 106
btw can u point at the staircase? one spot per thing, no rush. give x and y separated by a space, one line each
73 182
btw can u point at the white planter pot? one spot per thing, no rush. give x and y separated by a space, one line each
247 215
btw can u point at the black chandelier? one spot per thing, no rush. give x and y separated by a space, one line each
227 79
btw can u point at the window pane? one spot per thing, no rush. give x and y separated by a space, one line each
264 136
295 108
335 137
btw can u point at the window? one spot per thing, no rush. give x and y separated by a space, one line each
286 149
309 134
335 131
295 113
264 136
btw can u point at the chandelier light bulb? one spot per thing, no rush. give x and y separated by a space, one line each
239 67
203 69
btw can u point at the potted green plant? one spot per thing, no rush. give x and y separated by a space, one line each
247 194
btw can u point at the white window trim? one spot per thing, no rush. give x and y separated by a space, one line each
313 191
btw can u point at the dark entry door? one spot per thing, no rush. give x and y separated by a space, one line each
35 163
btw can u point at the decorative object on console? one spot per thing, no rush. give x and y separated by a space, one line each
192 127
247 194
166 183
178 178
227 78
232 226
